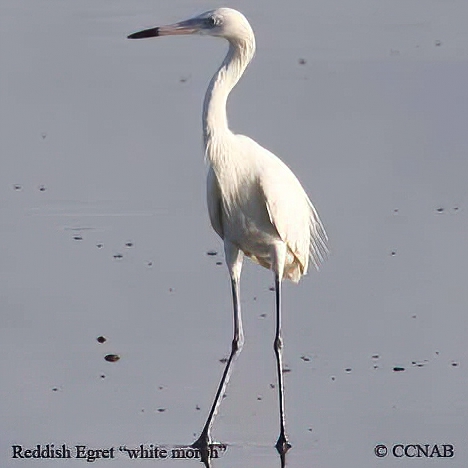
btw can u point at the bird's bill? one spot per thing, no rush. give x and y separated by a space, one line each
190 26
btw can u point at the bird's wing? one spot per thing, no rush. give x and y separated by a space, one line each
213 196
292 213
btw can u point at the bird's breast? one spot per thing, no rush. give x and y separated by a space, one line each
245 219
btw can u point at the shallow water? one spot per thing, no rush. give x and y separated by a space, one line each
104 233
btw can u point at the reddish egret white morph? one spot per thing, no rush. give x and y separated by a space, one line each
255 202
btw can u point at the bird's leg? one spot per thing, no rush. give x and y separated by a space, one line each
282 444
234 259
279 255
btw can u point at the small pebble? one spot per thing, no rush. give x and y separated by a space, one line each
112 357
101 339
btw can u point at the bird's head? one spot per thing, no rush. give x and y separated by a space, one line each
222 22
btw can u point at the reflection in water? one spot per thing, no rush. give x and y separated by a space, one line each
213 452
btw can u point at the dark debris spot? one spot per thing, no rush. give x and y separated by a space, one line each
455 364
223 360
271 288
413 316
333 378
99 246
42 188
310 429
348 369
263 315
102 376
259 398
161 410
149 264
286 370
302 61
78 238
112 357
17 187
272 385
212 253
197 408
393 253
118 256
398 369
219 263
440 210
375 356
305 358
160 388
55 389
101 339
419 363
129 244
438 43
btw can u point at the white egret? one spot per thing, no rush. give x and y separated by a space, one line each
255 202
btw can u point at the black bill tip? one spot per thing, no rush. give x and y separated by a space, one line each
153 32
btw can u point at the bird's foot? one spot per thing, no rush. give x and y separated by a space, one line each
203 444
282 445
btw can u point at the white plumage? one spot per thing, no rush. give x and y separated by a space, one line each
255 202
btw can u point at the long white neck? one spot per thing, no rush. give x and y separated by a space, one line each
215 123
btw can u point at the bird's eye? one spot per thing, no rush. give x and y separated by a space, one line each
211 21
